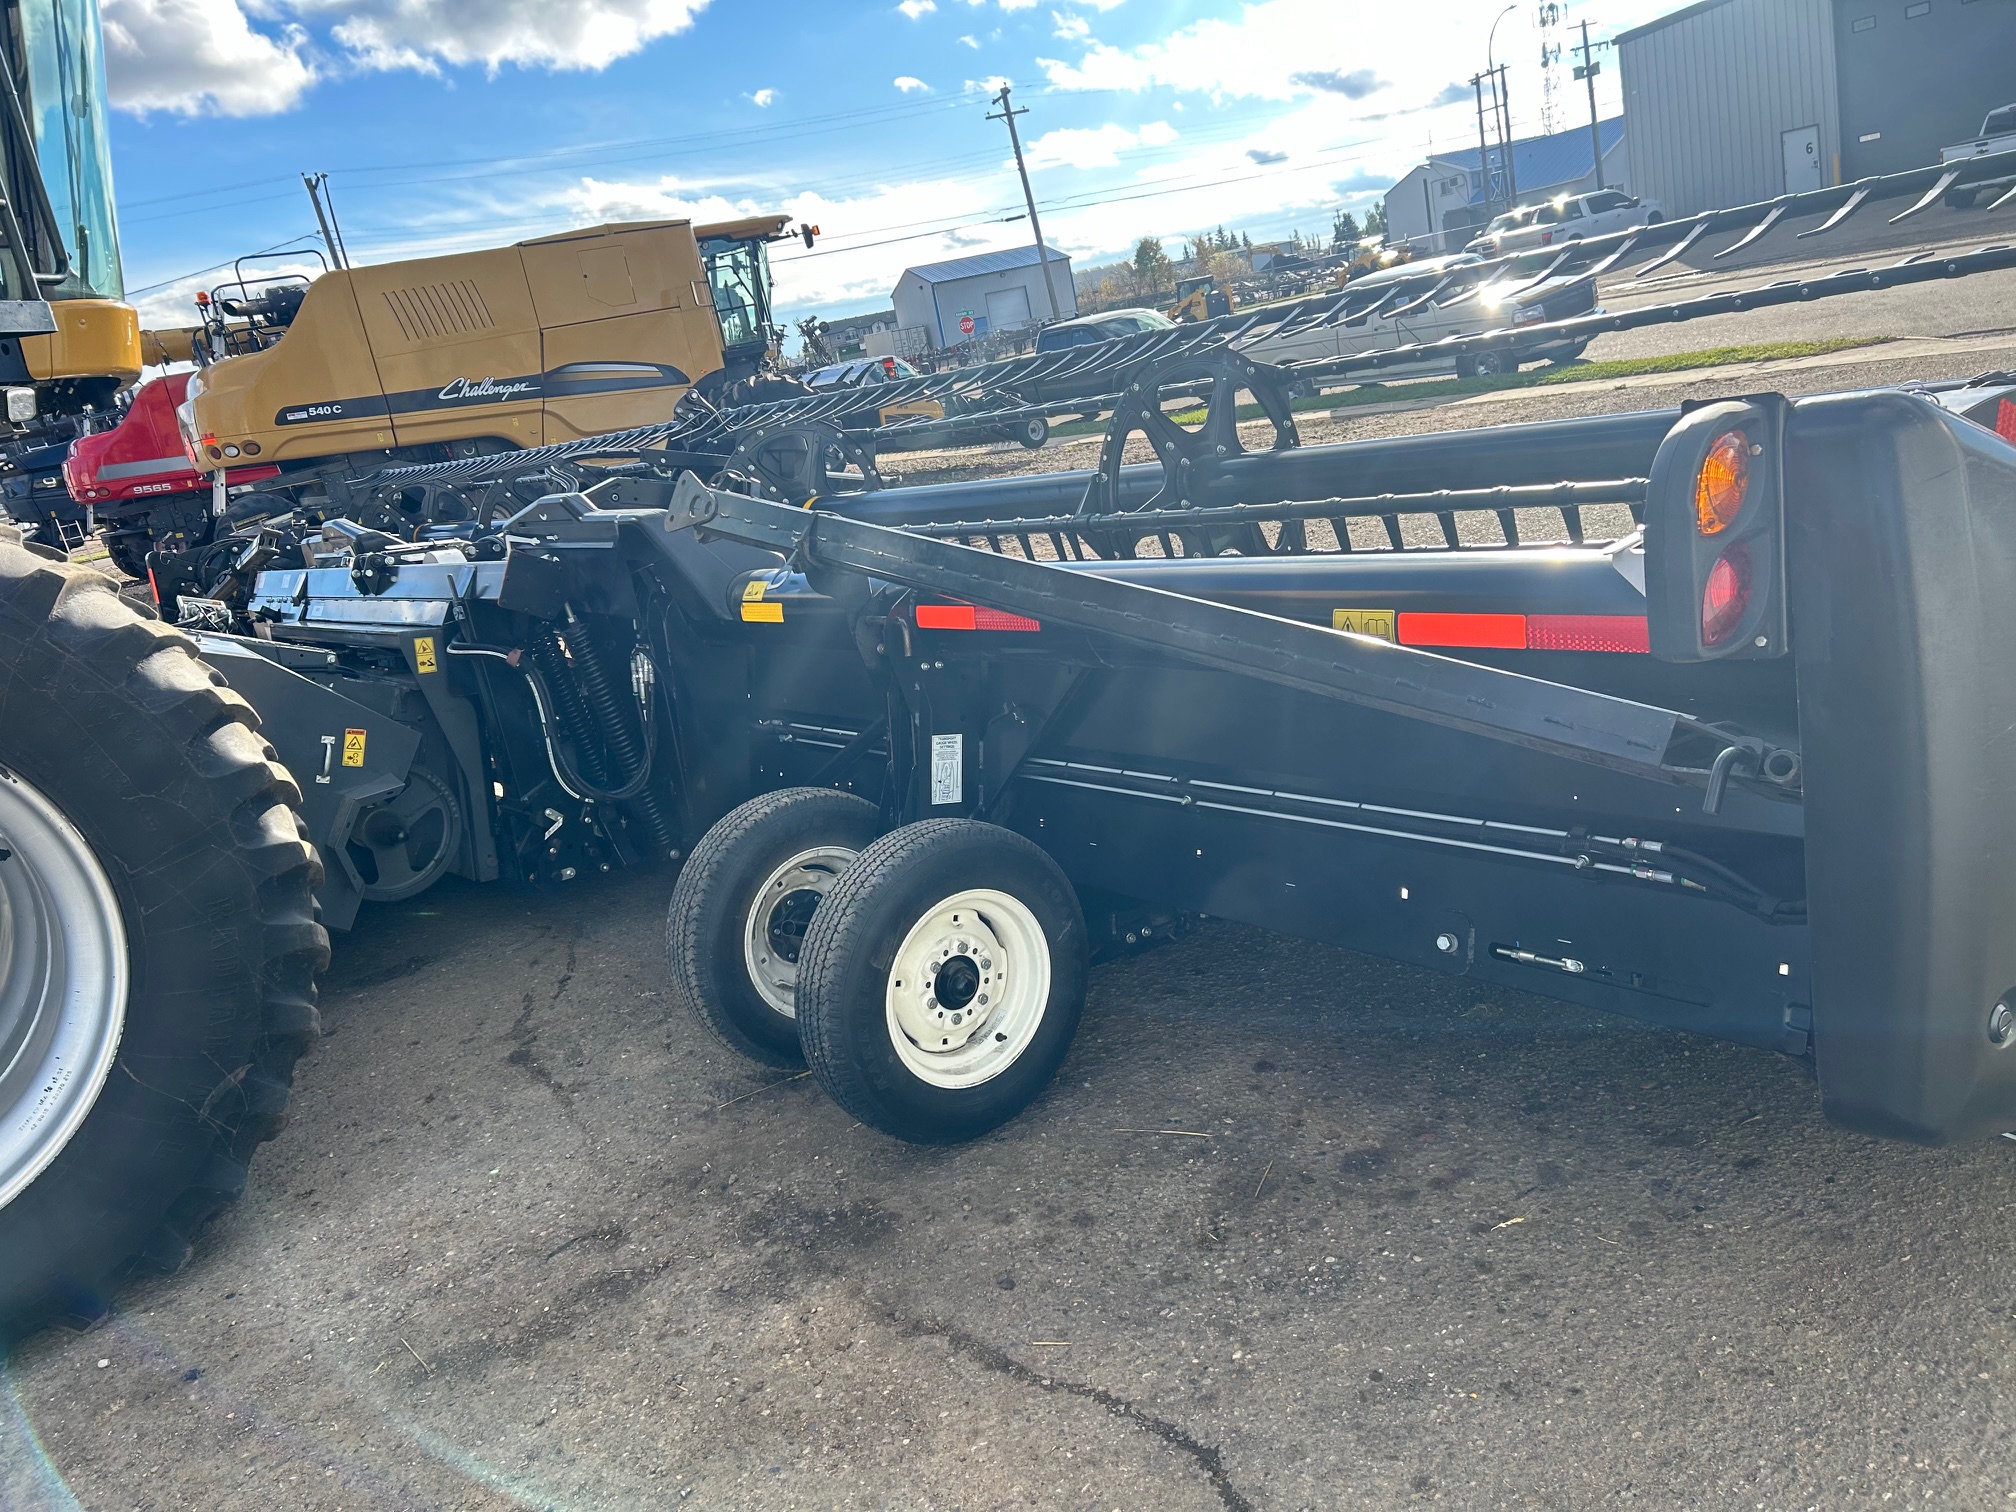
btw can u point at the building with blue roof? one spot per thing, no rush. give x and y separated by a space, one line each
989 292
1439 205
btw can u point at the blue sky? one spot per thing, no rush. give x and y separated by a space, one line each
450 124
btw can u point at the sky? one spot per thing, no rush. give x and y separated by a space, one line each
446 125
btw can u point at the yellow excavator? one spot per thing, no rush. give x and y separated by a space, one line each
67 378
434 358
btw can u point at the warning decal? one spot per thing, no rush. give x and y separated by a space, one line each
423 653
353 748
1377 623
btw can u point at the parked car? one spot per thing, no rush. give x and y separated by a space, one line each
867 374
1488 310
1998 134
1566 218
1085 331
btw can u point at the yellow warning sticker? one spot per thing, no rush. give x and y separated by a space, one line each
353 748
1377 623
423 652
762 614
753 590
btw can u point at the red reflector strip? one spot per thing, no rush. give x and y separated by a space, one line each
1501 631
2005 420
1587 632
1526 632
971 617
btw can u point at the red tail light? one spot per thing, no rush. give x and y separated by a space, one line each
2005 421
1726 596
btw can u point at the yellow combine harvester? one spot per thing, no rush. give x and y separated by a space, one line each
434 358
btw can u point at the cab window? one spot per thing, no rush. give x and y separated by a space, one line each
739 274
65 54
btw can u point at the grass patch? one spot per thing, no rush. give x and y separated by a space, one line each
1572 372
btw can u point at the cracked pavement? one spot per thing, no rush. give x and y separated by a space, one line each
1416 1244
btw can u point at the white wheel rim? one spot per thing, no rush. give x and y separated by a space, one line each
773 929
968 988
63 982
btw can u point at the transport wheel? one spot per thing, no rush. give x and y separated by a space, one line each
1033 432
942 980
128 550
1960 199
740 910
403 846
158 942
1485 365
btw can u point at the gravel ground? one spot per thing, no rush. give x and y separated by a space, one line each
532 1241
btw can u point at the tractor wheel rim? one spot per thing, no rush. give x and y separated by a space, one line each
968 988
63 982
774 927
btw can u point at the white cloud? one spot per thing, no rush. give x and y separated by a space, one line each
917 9
763 99
971 42
1095 147
910 85
565 34
1071 28
172 307
200 57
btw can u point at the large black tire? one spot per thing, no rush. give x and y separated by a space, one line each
128 550
110 720
738 892
969 901
1032 432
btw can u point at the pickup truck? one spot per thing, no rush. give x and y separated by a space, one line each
1998 134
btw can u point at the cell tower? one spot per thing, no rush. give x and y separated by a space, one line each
1550 60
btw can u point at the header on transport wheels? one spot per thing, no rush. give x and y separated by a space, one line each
1868 539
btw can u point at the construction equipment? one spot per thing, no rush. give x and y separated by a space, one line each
1371 254
158 942
547 340
1200 297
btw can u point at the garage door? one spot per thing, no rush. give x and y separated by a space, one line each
1007 307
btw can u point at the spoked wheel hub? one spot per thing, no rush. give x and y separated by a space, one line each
774 932
967 988
63 982
401 847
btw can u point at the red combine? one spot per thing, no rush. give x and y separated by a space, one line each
139 484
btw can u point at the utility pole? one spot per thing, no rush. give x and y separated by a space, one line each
1008 114
1504 93
1483 147
332 237
1588 70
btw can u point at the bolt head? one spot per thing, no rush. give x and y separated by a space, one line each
2001 1025
1446 943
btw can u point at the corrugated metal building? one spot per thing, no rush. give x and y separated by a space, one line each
994 291
1732 101
1436 207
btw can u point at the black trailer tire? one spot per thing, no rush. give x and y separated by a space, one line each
741 907
137 779
932 921
1032 432
1960 199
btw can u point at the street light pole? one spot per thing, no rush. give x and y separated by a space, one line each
1589 69
1502 92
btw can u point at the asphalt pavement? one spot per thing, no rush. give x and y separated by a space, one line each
1296 1228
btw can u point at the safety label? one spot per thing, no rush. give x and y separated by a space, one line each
353 748
423 653
948 760
754 610
1377 623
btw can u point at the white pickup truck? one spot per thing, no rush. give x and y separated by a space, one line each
1998 134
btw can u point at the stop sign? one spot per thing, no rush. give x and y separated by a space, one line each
965 325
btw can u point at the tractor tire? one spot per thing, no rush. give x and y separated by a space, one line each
158 942
736 927
128 550
942 980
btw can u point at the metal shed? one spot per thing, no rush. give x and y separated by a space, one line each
994 291
1733 101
